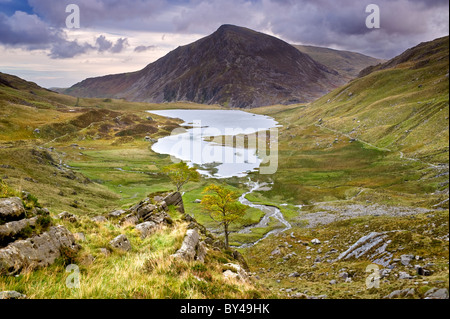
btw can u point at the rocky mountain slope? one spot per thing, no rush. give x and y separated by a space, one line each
234 67
401 105
348 64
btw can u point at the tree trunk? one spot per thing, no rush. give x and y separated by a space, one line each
226 237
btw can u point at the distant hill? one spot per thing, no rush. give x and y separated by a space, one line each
401 105
347 63
234 66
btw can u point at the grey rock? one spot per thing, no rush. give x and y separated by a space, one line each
11 209
294 274
117 213
372 246
405 293
404 275
188 248
105 251
197 201
121 242
235 271
175 199
37 251
99 219
146 229
436 293
9 230
344 275
315 241
202 251
333 282
276 251
11 295
68 216
406 259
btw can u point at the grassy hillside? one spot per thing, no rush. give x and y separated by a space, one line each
380 138
89 157
347 63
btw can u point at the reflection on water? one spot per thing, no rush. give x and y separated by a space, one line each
219 156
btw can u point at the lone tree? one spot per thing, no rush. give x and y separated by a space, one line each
223 207
180 174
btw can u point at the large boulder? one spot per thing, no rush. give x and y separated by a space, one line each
121 242
192 248
11 209
235 271
10 230
146 229
175 199
11 295
188 248
38 251
372 247
436 293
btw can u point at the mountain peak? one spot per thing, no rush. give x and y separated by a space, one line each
234 66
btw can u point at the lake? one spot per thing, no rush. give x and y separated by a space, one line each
213 141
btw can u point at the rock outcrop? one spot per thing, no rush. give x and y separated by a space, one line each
235 271
121 242
372 247
192 248
12 295
175 199
37 251
11 230
11 209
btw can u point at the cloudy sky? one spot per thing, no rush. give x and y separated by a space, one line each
118 36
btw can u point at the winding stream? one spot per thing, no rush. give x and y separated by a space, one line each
270 211
191 146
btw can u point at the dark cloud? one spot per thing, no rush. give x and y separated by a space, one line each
30 32
120 45
143 48
26 30
340 24
69 49
102 44
331 23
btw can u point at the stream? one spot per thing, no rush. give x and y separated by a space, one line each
270 211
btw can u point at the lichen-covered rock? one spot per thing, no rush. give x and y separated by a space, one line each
201 251
175 199
146 229
12 295
372 246
10 230
436 293
68 216
116 213
99 219
38 251
11 209
188 249
121 242
239 272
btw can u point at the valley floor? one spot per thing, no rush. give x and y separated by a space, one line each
328 186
